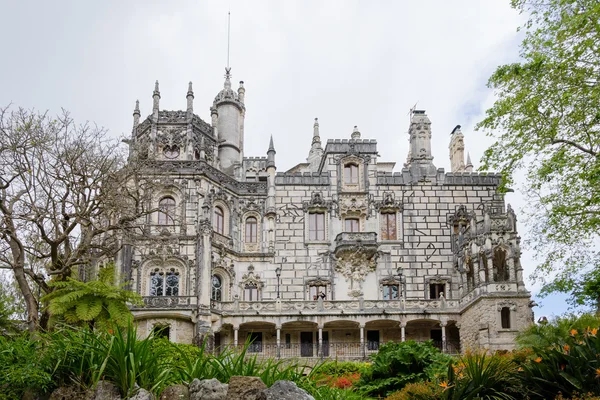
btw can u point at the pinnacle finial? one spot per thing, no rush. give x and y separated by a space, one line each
156 86
190 90
271 147
469 163
227 84
137 107
355 133
316 128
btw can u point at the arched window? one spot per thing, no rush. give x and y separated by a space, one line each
351 225
505 317
250 292
351 174
164 283
219 220
166 213
217 288
251 230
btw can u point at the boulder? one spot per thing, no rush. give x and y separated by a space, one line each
286 390
246 387
143 394
69 393
208 389
106 391
175 392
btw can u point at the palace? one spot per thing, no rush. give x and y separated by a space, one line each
328 259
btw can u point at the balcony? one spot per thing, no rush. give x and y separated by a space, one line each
168 302
365 241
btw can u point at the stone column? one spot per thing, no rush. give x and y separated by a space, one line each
510 264
443 325
490 269
403 331
320 349
278 328
362 341
235 335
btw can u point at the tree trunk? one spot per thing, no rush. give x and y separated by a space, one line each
30 300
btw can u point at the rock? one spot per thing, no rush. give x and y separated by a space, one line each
175 392
246 387
143 394
69 393
286 390
106 391
208 389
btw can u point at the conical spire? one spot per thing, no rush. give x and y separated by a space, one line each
316 151
271 154
316 136
155 97
136 114
469 166
190 99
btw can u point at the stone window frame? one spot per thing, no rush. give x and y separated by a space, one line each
162 264
326 216
390 281
389 205
318 282
353 217
358 162
166 217
512 307
154 323
439 280
252 246
226 217
165 270
168 191
251 279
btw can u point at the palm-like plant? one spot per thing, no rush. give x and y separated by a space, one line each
97 301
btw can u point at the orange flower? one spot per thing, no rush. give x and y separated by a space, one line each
594 331
597 372
573 332
538 360
566 348
519 369
445 385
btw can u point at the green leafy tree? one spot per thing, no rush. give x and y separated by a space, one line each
97 301
546 121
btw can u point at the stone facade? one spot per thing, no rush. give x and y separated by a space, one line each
330 258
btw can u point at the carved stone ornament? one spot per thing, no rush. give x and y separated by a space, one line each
251 278
205 227
224 263
511 306
460 217
317 201
353 205
252 204
388 203
171 136
355 266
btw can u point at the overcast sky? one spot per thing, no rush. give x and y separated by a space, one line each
348 63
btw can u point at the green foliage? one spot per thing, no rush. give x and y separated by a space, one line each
23 365
482 376
341 368
570 366
556 330
418 391
546 120
397 364
98 301
324 392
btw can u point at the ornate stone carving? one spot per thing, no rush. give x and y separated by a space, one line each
317 201
251 278
355 264
353 205
388 203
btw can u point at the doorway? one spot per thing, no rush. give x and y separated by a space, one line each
306 344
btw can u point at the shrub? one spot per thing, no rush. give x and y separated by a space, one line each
555 331
480 375
569 366
397 364
418 391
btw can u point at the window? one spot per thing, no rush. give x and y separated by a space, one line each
436 290
164 284
316 226
288 341
317 291
217 287
388 226
161 331
250 292
171 152
251 230
391 292
351 174
219 220
166 211
372 340
505 317
255 339
351 224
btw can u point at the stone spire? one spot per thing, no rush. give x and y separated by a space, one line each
355 133
469 166
271 154
457 150
136 114
316 151
241 92
190 100
155 102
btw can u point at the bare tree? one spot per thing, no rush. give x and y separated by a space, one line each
66 196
